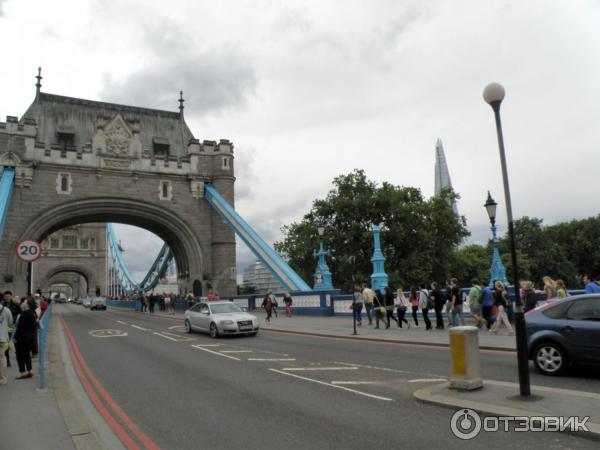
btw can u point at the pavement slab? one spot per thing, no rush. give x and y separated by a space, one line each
498 398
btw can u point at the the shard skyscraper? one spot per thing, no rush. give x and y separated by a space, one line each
442 175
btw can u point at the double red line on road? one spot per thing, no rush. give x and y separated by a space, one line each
104 402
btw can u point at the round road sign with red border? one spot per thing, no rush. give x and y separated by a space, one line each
29 250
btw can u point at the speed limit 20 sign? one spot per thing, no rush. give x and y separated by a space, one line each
29 250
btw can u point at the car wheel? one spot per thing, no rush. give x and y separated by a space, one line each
550 359
214 332
188 326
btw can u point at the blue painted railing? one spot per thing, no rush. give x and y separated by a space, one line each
6 189
42 338
278 267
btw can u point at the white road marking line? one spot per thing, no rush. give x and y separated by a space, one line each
166 337
206 345
121 322
215 353
313 369
426 380
173 334
353 382
269 352
333 385
236 351
140 328
271 359
386 369
181 327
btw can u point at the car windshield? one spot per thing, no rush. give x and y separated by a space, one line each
223 308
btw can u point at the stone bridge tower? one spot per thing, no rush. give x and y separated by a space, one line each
80 161
75 256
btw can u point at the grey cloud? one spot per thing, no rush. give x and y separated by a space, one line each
247 175
212 79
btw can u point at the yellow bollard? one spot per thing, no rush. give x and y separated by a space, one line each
464 352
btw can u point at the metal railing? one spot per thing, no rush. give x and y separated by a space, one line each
42 338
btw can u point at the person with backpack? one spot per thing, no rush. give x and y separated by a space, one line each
457 303
389 306
528 296
425 303
438 305
378 305
475 302
267 304
368 298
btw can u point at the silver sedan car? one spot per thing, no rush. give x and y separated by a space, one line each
220 318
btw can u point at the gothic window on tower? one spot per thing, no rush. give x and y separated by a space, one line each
64 183
65 138
69 242
165 190
84 244
54 243
161 147
226 164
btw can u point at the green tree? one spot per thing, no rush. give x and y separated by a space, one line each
542 253
418 236
471 261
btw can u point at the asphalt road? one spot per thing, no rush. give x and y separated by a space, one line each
278 391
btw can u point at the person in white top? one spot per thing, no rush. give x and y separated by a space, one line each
6 319
424 305
401 307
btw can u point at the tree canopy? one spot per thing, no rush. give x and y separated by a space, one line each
418 237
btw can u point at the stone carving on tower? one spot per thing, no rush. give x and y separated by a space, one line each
117 138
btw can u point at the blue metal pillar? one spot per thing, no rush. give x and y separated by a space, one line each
497 270
379 279
322 275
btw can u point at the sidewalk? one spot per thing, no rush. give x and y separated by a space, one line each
342 327
498 398
30 419
48 419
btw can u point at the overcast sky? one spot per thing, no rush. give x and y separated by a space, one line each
308 90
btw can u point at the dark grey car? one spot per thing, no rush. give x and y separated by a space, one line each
564 332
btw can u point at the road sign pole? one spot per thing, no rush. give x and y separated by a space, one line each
29 279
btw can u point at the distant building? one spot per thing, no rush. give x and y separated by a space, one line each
257 276
442 174
73 261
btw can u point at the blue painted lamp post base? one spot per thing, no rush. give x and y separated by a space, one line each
379 279
497 270
322 275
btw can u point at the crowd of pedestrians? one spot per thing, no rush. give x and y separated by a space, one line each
489 304
19 322
270 304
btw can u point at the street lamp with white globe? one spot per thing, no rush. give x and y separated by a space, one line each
493 94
